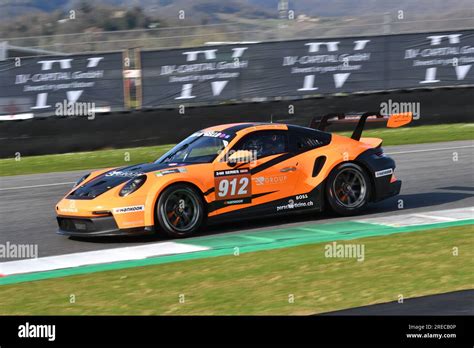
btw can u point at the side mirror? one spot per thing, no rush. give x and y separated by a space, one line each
240 156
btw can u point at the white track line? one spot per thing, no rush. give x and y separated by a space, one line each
441 218
430 150
423 218
97 257
33 186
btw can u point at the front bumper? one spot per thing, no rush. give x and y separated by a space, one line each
96 227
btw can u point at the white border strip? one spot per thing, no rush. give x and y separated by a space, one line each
96 257
423 218
431 150
16 117
33 186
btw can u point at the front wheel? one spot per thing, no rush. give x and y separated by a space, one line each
180 211
348 189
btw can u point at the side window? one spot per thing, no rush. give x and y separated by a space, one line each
303 141
264 143
209 147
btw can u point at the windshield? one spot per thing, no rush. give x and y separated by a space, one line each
197 148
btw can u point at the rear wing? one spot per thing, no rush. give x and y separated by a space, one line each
393 121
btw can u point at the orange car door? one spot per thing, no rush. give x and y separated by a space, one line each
273 172
274 177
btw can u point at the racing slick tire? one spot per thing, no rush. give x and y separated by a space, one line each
348 189
180 211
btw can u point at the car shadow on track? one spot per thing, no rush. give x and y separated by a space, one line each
419 200
410 201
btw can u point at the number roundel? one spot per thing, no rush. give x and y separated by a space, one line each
233 185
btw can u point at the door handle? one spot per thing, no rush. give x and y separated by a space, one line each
288 169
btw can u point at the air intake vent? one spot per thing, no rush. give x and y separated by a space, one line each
318 165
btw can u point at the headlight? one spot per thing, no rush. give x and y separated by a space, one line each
132 185
81 180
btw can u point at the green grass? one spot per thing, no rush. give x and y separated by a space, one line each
411 265
81 160
119 157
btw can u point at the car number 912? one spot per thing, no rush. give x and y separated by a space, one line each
236 186
231 184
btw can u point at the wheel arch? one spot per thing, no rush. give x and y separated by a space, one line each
361 164
151 221
370 174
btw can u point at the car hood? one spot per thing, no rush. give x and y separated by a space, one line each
117 176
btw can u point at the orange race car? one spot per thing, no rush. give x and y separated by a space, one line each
235 171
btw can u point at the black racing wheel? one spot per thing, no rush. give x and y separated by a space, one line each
180 211
348 189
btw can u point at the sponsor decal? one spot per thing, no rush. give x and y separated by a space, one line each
212 134
232 172
303 196
270 180
68 210
124 174
233 186
295 205
237 201
131 209
384 172
171 171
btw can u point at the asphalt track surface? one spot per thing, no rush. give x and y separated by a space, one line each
451 303
432 180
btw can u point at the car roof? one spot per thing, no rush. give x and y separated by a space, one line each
248 127
245 127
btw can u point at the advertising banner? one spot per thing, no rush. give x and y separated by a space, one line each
302 68
431 59
48 85
246 72
265 70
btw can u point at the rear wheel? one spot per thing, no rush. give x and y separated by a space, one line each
180 211
348 189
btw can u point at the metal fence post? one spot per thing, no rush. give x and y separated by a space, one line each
387 23
3 50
